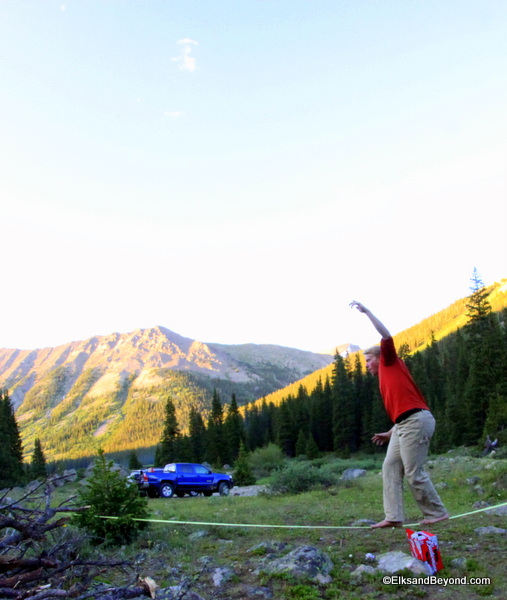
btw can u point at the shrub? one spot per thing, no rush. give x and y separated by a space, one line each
242 472
299 477
267 459
107 493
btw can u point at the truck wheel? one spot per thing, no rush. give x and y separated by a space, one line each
224 489
166 490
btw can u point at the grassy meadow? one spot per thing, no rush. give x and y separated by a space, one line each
172 553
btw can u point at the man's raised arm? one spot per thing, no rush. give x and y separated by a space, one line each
379 326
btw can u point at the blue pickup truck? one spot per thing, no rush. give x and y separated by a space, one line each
183 478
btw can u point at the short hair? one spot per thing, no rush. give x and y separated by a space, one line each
373 351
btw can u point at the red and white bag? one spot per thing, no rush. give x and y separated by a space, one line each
424 546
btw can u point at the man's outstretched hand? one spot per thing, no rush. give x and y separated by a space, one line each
360 307
381 438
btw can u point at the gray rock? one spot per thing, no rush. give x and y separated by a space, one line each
323 579
441 485
478 490
489 530
70 474
481 504
500 511
362 570
350 474
197 535
253 591
114 467
392 562
222 575
473 480
459 563
176 593
305 562
268 548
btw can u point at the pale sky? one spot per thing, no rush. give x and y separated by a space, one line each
240 170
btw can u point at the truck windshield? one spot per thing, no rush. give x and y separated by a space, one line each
170 468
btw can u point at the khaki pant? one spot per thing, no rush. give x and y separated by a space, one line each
406 455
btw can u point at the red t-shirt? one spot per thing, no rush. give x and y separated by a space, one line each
398 389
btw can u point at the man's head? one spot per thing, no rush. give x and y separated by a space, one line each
372 356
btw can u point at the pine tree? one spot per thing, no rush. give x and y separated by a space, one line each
107 493
478 305
11 449
134 463
242 472
197 436
286 437
217 450
326 418
344 414
171 433
301 443
259 426
266 421
234 429
457 370
487 359
38 466
311 450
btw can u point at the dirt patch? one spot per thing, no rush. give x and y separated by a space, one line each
248 490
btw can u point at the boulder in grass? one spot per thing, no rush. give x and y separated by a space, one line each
490 530
305 562
392 562
351 474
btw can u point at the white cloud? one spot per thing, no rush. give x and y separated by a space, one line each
174 113
187 62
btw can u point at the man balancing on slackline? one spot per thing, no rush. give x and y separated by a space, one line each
409 439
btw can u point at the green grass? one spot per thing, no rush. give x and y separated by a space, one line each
167 553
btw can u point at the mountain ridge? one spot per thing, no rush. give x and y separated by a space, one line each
141 349
110 391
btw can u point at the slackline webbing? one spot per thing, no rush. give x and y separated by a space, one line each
172 522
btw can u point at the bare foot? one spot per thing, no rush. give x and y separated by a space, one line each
435 520
384 524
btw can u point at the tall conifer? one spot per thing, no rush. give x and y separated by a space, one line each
344 414
168 444
234 429
11 448
38 466
197 436
217 448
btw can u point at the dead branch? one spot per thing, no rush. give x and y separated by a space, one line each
39 559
